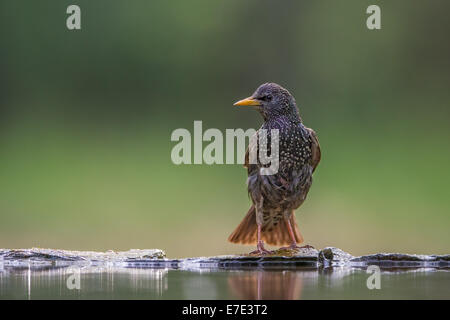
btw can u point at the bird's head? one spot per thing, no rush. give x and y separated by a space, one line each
271 100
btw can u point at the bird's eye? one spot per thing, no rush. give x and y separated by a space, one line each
266 98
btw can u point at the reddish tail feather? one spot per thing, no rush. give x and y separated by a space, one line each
246 231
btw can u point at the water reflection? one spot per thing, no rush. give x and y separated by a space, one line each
284 284
146 283
266 285
62 282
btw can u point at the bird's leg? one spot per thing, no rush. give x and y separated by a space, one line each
293 245
260 244
259 221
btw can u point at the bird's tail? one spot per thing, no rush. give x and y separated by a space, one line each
279 235
246 231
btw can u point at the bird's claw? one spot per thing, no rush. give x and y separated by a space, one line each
261 252
260 249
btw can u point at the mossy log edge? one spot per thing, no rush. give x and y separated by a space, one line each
156 258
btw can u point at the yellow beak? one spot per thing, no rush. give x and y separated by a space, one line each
247 102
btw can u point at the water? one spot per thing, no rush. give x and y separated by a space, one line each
151 283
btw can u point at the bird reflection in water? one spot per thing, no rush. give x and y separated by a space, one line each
266 285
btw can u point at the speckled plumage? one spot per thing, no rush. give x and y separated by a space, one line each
275 197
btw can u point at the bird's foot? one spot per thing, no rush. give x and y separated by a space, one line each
294 246
260 249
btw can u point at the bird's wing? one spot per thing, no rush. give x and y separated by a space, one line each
253 143
315 148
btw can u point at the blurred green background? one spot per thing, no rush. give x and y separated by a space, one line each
86 118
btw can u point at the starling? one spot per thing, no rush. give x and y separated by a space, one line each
271 218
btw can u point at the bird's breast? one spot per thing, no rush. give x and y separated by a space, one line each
290 184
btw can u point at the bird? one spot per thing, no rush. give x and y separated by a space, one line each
271 217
